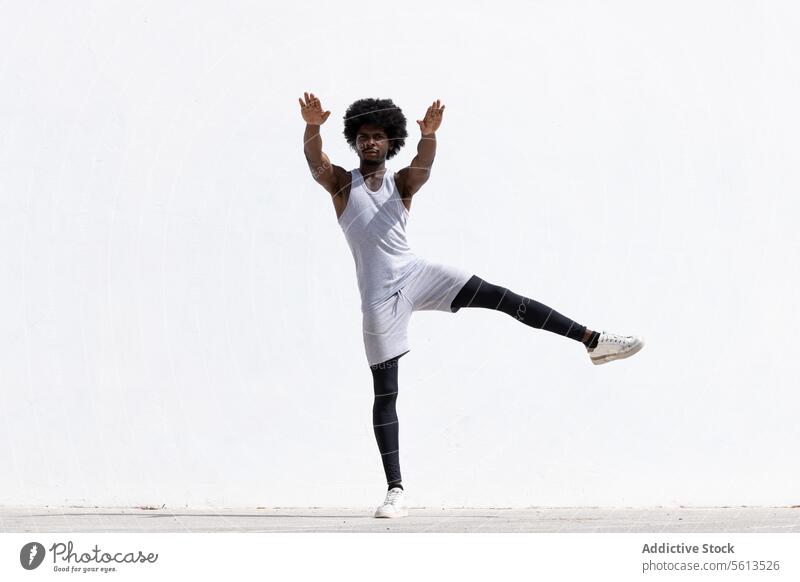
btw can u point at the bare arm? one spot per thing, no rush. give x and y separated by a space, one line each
415 175
321 168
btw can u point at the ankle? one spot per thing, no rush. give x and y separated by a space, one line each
590 338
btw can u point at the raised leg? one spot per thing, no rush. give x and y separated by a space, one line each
479 293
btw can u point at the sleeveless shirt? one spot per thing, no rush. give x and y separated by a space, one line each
374 224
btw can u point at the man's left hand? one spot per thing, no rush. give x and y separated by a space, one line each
432 120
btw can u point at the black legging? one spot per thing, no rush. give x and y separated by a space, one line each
475 293
479 293
384 418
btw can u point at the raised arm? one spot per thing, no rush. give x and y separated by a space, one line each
322 170
414 176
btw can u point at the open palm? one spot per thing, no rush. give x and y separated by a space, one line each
312 111
432 120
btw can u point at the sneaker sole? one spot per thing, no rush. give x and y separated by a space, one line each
620 356
403 513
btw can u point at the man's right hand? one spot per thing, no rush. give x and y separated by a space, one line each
312 110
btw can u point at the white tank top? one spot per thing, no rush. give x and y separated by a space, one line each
374 224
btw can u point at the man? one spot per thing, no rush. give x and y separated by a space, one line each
372 205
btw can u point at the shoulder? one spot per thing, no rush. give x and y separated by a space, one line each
399 179
343 180
342 174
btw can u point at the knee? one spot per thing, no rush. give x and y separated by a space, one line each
385 392
492 296
384 407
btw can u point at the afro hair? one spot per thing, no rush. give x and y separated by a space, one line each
380 112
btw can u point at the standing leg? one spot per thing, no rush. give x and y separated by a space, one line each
479 293
384 418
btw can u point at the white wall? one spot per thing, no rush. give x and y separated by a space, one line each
179 316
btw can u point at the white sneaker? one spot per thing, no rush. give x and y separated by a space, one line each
611 346
394 505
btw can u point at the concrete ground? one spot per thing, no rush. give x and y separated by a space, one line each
579 519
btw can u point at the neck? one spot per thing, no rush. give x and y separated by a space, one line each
368 168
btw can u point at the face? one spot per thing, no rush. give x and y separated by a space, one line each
372 144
